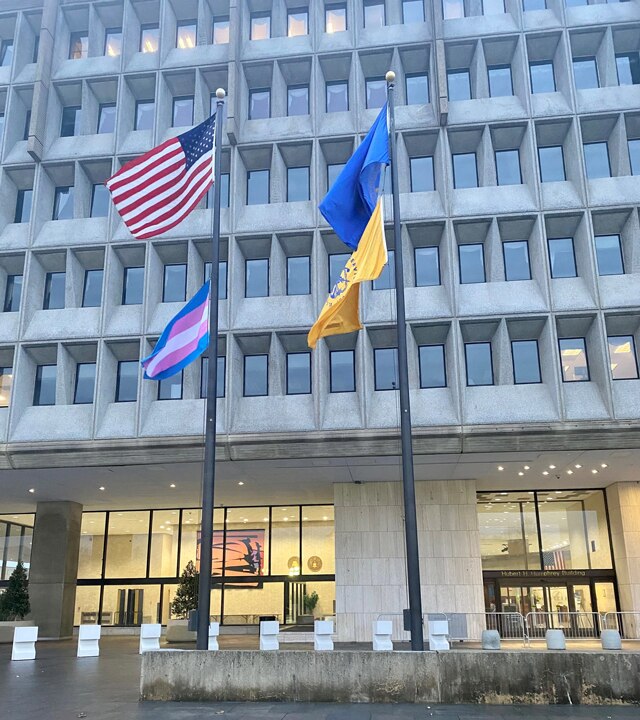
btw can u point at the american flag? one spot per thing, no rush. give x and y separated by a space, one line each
157 191
553 560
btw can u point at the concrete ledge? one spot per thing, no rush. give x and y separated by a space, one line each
461 676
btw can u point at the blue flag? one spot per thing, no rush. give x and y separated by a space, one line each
351 200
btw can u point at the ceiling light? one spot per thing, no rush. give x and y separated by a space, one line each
32 490
521 473
101 488
594 471
552 467
603 465
545 472
526 467
577 466
325 518
172 485
240 483
500 468
569 472
265 519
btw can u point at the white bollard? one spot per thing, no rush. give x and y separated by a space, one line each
490 640
269 630
150 637
382 630
323 635
611 640
89 640
214 631
24 643
556 640
438 635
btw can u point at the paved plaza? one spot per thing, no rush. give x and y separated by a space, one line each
59 686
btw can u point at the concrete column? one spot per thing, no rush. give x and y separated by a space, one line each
370 553
54 567
623 500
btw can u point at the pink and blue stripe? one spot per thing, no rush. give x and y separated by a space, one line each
184 339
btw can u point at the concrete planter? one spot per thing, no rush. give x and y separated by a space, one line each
178 632
7 628
305 620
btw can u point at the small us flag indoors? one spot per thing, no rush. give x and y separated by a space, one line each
157 191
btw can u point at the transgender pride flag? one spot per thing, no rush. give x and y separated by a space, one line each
183 340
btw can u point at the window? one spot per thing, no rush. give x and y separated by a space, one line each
551 161
6 53
36 47
13 293
387 278
492 7
634 156
204 376
113 42
27 123
337 96
221 30
433 373
562 258
609 255
175 283
186 34
516 260
23 206
585 73
335 18
500 84
63 203
297 184
342 370
149 38
412 11
92 294
421 170
337 263
332 173
1 126
542 77
170 388
224 192
222 277
256 375
526 362
107 118
100 201
133 286
596 160
479 363
85 383
183 111
298 100
70 121
471 263
44 392
376 92
573 359
508 167
260 26
417 87
465 174
54 285
385 365
374 14
298 373
459 84
6 384
427 260
452 9
258 187
259 104
78 46
628 65
297 22
622 357
529 5
127 381
145 111
256 278
299 275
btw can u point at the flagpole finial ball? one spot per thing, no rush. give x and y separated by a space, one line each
220 94
390 76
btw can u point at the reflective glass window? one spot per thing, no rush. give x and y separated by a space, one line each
45 385
92 533
551 164
100 200
183 111
220 379
54 284
516 260
508 167
260 26
337 263
573 359
127 381
174 286
27 124
186 34
529 5
471 263
479 363
421 170
433 373
459 84
36 48
6 53
417 88
297 22
258 187
342 370
412 11
92 292
107 118
259 104
500 83
333 170
335 18
628 66
373 14
297 184
24 200
542 77
13 293
526 362
149 38
255 375
337 96
387 278
634 156
298 373
145 111
78 46
132 285
376 92
622 357
427 260
492 7
127 547
256 278
221 30
164 543
6 383
85 383
170 388
585 73
70 121
113 42
596 160
225 180
222 278
299 275
453 9
609 255
465 173
385 363
562 258
298 100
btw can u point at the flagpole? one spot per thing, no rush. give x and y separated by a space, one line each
408 484
209 475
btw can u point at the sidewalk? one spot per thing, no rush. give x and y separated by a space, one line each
59 686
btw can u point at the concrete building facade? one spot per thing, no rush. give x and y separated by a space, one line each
519 181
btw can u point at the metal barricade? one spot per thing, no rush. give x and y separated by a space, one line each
468 627
575 625
626 623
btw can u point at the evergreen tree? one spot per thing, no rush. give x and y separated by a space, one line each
186 598
14 602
